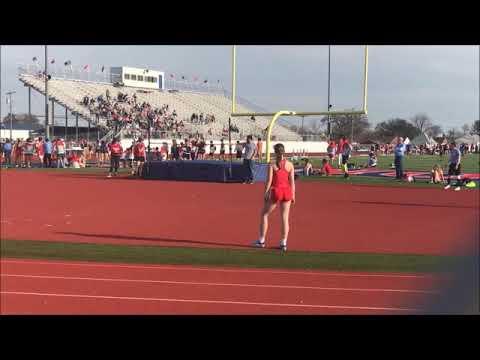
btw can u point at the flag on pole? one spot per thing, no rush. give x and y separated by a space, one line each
34 59
103 68
52 61
172 76
68 62
205 81
183 77
86 67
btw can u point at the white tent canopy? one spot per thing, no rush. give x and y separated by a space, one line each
468 139
423 139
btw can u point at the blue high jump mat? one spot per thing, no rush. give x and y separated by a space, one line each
201 170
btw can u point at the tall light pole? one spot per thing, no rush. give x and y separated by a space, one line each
328 98
9 94
47 127
1 91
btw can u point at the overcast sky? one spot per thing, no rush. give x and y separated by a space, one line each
441 81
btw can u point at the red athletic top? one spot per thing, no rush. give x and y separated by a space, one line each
39 147
139 150
340 146
280 176
19 148
327 168
116 149
281 189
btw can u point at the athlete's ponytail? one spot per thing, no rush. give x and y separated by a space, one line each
279 151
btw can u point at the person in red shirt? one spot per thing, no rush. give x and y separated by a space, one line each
39 150
331 149
74 160
279 189
339 150
116 151
139 154
326 168
18 153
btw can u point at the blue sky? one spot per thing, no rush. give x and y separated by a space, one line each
441 81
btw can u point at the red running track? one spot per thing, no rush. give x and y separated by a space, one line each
327 217
55 287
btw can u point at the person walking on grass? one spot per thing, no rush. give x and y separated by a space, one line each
454 167
399 153
139 153
340 150
116 152
222 150
60 150
28 151
39 150
47 150
346 153
7 151
279 190
238 150
259 149
248 162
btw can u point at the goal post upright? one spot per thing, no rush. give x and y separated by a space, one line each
365 79
276 115
234 77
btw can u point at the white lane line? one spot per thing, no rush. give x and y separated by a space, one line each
171 282
213 269
206 301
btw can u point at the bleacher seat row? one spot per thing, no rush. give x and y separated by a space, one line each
70 93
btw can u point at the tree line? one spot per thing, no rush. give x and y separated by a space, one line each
385 131
341 125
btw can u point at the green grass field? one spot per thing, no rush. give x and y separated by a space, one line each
470 162
245 258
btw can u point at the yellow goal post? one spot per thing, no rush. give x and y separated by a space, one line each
276 115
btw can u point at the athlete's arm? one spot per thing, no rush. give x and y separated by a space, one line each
291 178
268 183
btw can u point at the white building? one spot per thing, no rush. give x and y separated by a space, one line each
16 134
141 78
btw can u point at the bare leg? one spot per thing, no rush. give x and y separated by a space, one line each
140 169
268 207
284 213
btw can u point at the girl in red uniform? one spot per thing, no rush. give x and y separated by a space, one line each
39 150
18 152
116 151
139 153
279 189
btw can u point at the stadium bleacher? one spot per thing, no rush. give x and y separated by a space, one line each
70 93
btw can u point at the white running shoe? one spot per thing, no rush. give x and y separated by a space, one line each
447 187
283 245
457 188
259 244
109 176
